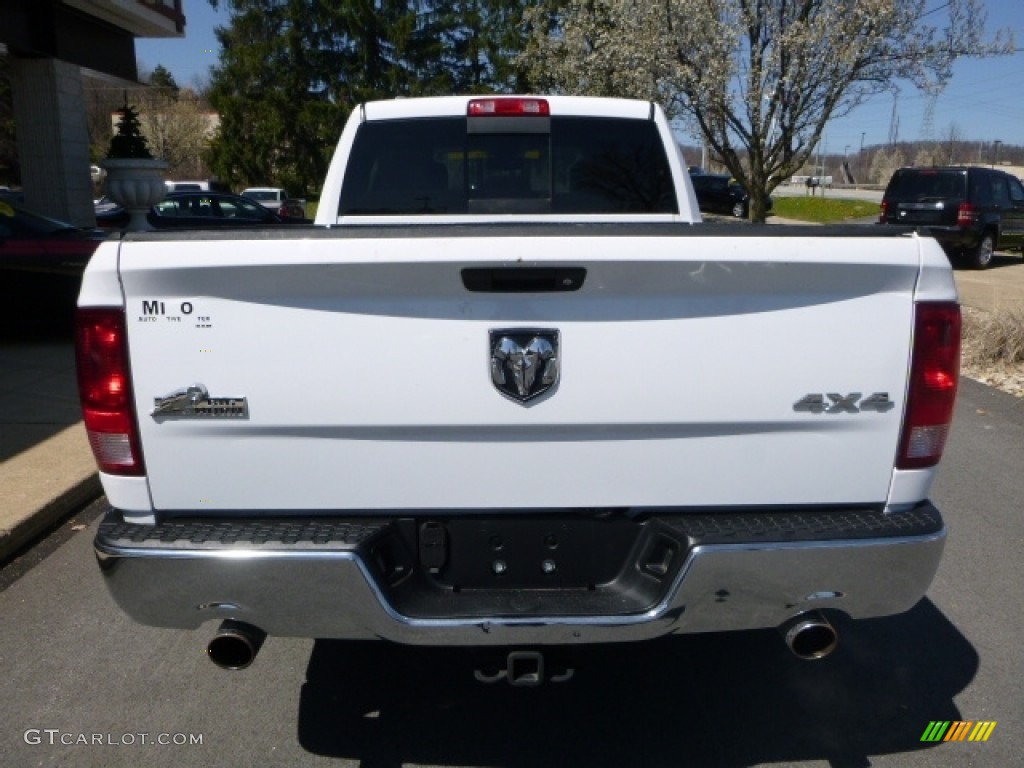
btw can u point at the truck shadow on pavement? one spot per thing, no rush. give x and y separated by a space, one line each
726 700
36 306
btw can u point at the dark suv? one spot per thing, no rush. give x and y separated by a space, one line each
970 211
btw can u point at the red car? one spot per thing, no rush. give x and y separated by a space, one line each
30 242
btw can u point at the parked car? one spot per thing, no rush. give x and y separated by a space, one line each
278 200
197 186
196 209
109 214
719 193
30 242
211 209
970 211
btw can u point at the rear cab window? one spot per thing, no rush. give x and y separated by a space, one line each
457 166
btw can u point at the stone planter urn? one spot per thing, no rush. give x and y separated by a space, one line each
136 184
134 177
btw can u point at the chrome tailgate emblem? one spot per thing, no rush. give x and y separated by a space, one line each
524 361
194 402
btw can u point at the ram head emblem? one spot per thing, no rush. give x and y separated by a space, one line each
524 362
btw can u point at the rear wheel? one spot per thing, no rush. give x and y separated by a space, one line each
981 256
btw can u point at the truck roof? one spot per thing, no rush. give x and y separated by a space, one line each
454 106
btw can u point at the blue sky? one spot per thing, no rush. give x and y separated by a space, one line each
984 100
188 57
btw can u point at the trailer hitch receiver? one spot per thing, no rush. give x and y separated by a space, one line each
524 669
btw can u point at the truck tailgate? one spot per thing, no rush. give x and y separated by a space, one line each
693 371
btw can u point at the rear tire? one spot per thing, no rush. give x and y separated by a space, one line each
981 256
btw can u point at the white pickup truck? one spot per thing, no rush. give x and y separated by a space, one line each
510 391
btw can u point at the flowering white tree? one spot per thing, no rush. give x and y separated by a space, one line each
179 130
757 79
885 164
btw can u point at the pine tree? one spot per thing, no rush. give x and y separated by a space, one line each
129 142
162 79
478 44
292 70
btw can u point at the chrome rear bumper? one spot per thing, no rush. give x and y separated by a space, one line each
332 578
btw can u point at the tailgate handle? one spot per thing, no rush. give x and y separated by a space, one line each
523 279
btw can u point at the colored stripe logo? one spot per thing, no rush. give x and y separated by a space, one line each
958 730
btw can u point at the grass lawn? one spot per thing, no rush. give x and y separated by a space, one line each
823 210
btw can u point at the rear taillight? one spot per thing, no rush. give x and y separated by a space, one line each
883 212
967 214
104 387
934 377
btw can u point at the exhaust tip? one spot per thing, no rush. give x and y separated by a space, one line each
810 636
235 645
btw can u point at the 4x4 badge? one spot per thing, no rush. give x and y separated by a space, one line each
878 402
524 361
